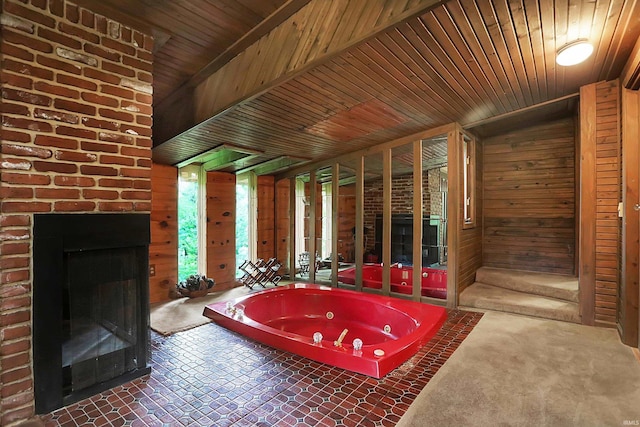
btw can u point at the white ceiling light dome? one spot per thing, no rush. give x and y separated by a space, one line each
574 53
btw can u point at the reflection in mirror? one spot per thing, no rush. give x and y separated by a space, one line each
371 206
302 214
324 208
402 210
434 165
346 226
283 225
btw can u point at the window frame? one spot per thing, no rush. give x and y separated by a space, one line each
469 160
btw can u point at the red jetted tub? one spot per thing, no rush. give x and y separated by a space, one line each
287 317
434 281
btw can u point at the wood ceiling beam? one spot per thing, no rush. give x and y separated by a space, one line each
317 33
630 76
272 21
301 43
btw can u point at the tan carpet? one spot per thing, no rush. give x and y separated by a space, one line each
520 371
186 313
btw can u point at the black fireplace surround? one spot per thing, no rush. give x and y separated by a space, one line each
90 304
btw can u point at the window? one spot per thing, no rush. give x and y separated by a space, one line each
189 207
245 219
468 180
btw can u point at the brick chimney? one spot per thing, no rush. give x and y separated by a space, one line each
76 138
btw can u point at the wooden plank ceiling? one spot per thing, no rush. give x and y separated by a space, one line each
459 60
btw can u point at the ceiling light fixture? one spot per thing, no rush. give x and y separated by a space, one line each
574 53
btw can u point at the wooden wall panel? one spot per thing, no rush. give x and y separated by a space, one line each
221 228
347 222
266 217
470 258
163 250
629 295
529 199
282 222
587 197
608 195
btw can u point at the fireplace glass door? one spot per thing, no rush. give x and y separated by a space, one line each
99 334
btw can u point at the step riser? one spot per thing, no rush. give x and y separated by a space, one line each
547 314
558 287
486 297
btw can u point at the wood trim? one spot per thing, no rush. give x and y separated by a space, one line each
313 205
454 214
292 228
359 221
587 264
386 221
335 218
469 126
470 182
576 268
630 76
418 213
628 322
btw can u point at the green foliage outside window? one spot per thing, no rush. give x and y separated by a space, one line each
242 225
187 229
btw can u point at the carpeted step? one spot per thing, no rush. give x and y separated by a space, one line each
480 295
544 284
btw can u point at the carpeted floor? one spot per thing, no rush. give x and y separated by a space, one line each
516 370
186 313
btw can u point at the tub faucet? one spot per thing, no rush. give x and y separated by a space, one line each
338 342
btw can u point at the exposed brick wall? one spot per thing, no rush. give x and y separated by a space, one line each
76 138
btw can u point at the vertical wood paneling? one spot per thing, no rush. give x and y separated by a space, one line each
282 222
588 210
266 245
221 228
629 296
163 250
608 195
529 199
347 222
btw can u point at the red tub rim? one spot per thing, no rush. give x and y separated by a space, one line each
429 318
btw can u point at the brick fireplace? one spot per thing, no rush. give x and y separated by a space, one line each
76 139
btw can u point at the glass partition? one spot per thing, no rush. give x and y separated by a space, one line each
323 231
373 207
402 213
302 211
283 226
346 226
434 165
